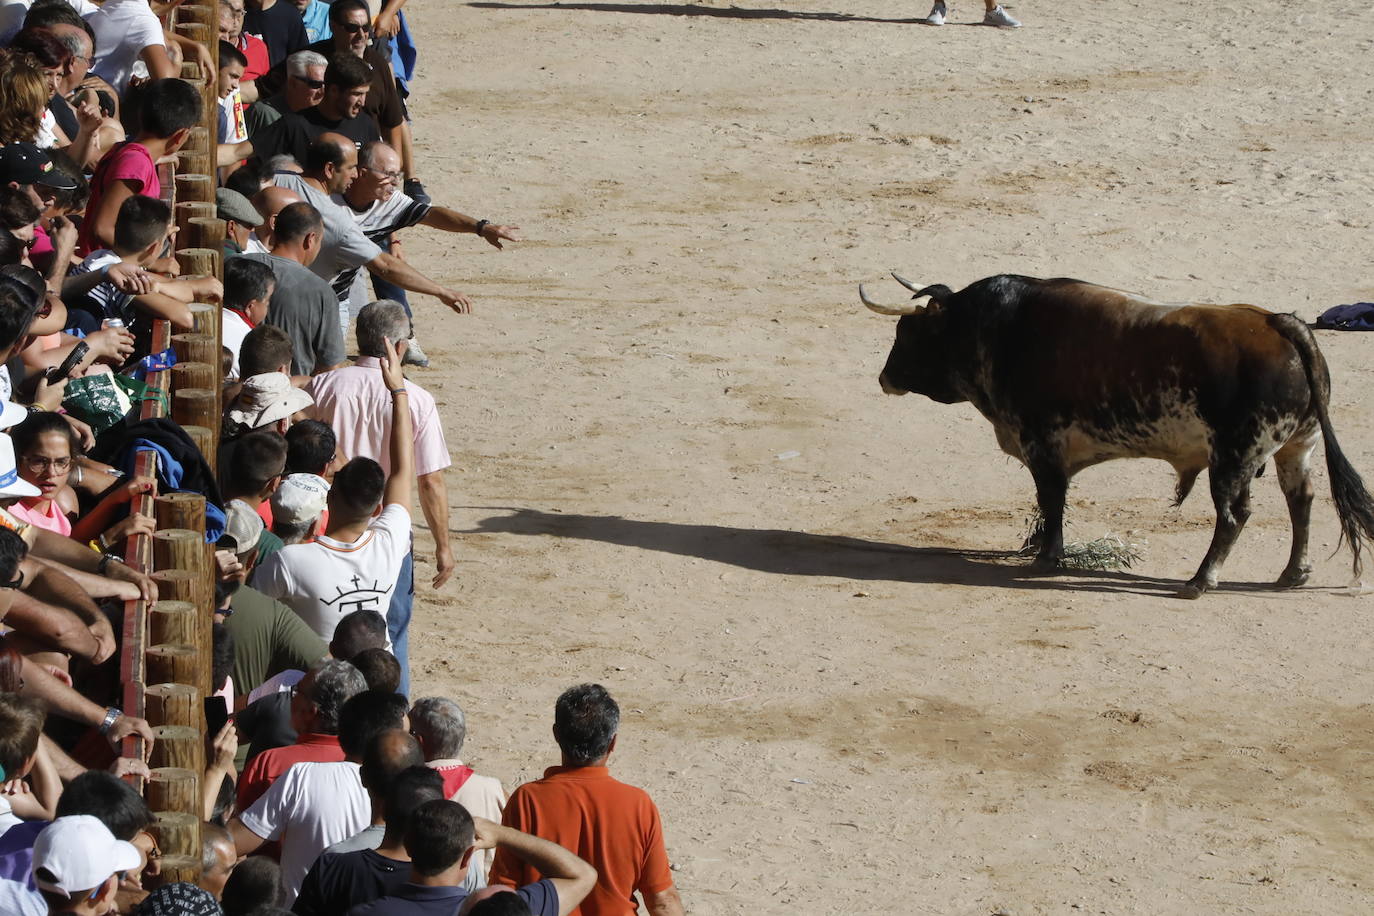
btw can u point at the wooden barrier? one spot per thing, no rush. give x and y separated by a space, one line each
165 650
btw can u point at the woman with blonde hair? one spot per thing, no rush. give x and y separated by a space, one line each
24 93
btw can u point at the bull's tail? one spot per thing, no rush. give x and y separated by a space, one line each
1354 505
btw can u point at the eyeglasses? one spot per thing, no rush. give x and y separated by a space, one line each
393 176
313 84
38 464
353 28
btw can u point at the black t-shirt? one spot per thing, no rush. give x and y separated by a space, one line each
293 133
339 880
66 118
280 27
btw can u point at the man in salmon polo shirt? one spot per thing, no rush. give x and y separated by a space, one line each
613 826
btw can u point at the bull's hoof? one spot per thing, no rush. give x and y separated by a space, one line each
1193 590
1292 578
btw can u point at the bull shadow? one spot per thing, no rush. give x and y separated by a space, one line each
798 553
692 9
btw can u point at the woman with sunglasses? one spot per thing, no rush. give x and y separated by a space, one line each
45 447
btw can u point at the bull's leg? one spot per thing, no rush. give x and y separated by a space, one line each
1231 496
1051 488
1295 478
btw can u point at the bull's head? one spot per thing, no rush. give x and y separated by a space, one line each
920 359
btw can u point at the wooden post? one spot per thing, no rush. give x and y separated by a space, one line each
175 869
174 622
205 441
178 746
173 789
206 232
205 320
196 348
179 548
187 210
195 375
195 187
181 510
173 664
176 585
176 833
174 704
196 407
199 262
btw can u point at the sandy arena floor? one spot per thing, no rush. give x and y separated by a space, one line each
675 473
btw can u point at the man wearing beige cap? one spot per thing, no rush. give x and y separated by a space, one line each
240 219
265 402
77 864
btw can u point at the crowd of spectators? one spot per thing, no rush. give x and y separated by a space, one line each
326 790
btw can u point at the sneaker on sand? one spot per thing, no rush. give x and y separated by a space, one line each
1000 18
937 15
415 356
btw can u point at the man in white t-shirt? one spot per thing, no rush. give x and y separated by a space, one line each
128 32
354 565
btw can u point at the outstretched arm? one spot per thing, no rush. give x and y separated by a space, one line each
452 221
394 270
398 485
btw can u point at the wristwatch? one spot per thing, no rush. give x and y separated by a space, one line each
111 717
105 562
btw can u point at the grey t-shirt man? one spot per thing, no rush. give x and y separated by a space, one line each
344 246
305 308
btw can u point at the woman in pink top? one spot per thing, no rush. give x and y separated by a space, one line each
45 446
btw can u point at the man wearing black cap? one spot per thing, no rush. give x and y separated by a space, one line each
28 168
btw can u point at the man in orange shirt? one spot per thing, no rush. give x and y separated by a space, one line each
613 826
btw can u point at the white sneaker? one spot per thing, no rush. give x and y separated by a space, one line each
1000 18
414 355
937 14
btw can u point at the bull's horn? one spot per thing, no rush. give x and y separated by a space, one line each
907 309
905 282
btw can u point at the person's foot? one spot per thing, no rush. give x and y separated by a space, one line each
1000 18
416 191
415 356
937 14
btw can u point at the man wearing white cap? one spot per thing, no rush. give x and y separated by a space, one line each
77 864
298 506
266 401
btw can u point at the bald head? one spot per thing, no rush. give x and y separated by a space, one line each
379 173
388 754
332 160
270 201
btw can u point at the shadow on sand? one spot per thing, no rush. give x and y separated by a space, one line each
691 9
797 553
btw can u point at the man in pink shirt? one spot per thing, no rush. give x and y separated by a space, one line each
355 402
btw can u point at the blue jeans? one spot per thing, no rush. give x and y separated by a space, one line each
387 290
398 618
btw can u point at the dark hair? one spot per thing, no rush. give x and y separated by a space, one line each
11 249
321 153
254 883
366 715
224 801
25 436
357 631
229 54
247 178
45 47
380 669
108 799
310 446
585 720
21 724
408 790
77 197
12 550
45 13
357 489
387 754
246 279
141 221
437 834
169 105
339 7
17 209
295 221
221 656
347 71
503 904
11 667
264 349
257 457
18 303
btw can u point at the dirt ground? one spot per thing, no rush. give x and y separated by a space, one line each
675 473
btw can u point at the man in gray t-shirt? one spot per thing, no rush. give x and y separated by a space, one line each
302 304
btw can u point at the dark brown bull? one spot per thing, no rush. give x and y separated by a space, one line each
1072 374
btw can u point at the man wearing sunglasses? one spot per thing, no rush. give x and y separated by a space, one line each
304 88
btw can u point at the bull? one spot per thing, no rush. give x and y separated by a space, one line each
1072 374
